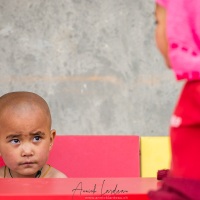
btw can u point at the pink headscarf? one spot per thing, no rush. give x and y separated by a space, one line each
183 34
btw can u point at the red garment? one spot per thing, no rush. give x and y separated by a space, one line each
185 133
183 180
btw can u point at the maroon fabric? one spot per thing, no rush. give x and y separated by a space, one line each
177 189
161 174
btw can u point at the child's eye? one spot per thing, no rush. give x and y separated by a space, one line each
36 138
14 141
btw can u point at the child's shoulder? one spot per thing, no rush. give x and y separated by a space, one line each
54 173
2 172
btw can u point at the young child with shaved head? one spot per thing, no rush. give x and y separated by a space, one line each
26 137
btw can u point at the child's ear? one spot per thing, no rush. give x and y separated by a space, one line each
52 136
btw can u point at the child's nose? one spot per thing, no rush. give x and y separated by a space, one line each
26 150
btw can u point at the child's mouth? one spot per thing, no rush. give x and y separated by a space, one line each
27 163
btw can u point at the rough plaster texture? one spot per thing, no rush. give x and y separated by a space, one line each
94 61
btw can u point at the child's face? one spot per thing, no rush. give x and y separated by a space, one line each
25 140
160 32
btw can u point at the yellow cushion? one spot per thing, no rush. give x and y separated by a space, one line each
155 155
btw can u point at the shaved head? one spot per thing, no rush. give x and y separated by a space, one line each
24 102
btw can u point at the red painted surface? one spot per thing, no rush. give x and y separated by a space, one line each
96 156
74 188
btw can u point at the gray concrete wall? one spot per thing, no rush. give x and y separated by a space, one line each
94 61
